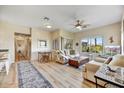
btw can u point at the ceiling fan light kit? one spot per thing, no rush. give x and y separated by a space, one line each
79 27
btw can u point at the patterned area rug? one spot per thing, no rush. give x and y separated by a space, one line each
30 77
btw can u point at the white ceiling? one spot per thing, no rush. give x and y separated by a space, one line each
62 16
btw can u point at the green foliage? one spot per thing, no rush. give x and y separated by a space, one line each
93 48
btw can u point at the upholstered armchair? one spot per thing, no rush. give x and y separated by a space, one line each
61 57
90 68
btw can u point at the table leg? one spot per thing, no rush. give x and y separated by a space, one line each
96 82
51 56
38 57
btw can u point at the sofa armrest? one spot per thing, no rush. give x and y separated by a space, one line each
89 70
84 68
92 66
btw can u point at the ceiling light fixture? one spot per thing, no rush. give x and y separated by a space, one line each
46 22
49 26
79 27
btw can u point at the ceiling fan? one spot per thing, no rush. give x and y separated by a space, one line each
79 24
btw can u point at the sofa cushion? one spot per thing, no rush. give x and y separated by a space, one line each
3 55
118 60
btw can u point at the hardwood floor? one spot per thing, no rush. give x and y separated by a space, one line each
60 76
10 80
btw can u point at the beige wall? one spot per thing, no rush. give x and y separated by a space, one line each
55 34
62 33
66 34
105 31
7 31
40 35
7 36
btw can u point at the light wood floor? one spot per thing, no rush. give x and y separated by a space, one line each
10 80
60 76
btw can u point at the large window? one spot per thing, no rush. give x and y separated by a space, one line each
93 44
85 45
112 50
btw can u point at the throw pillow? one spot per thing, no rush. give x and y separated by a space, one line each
108 60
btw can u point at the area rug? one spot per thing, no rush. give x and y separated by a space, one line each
30 77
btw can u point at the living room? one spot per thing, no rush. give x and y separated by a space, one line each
68 46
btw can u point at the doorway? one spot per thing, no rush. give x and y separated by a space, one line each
22 47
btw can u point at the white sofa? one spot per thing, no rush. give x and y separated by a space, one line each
90 68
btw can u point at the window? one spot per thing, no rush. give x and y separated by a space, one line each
42 44
85 45
94 44
112 50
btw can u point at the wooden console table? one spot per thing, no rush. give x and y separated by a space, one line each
47 56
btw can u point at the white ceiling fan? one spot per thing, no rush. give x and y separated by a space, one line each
79 24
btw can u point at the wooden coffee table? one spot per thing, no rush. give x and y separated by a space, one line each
77 61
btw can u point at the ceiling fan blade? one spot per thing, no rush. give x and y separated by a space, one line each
73 29
82 21
72 24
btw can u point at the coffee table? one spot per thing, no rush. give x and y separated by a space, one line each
114 77
77 61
